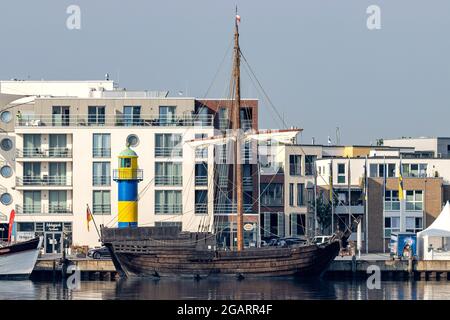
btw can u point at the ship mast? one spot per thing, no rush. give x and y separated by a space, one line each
236 126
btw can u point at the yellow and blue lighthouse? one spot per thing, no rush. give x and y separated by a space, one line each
128 175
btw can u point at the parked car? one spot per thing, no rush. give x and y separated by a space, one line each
99 253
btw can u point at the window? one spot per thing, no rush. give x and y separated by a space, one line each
6 144
58 145
341 173
391 224
414 200
101 174
201 152
246 118
168 224
272 194
378 170
168 145
414 170
309 165
273 224
31 173
101 203
300 194
168 202
297 224
391 200
291 194
58 173
6 116
58 201
31 202
414 224
223 118
124 163
168 173
101 147
132 115
295 164
201 201
96 115
201 174
6 198
32 145
6 171
166 115
60 116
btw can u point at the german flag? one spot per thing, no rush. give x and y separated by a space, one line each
88 216
400 184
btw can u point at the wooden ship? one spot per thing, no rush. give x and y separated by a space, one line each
169 251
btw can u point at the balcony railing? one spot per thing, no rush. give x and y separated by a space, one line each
225 208
168 152
101 180
101 209
44 181
168 208
201 180
247 183
168 180
118 120
44 153
201 208
128 174
101 152
201 153
38 209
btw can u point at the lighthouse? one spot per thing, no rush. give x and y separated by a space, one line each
127 176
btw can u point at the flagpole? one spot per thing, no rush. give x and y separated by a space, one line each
95 224
366 208
383 199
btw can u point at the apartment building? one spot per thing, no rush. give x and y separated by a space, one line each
59 145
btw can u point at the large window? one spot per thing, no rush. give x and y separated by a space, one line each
341 173
101 202
201 174
168 202
295 165
60 116
58 145
291 194
32 145
168 145
96 115
201 152
297 224
201 201
132 115
309 165
58 201
101 147
272 224
414 200
101 174
58 173
32 202
414 170
272 194
168 173
381 170
391 224
391 201
413 224
167 115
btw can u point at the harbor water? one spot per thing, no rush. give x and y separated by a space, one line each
254 289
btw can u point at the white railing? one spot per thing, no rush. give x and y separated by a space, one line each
57 209
44 181
168 180
118 120
201 180
168 152
168 208
201 208
101 209
101 152
101 180
44 153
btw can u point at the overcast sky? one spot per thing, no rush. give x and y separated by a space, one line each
318 62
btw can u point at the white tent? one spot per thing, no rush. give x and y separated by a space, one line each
433 243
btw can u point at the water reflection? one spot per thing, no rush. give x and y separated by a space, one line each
258 289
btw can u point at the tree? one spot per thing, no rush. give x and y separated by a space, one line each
323 213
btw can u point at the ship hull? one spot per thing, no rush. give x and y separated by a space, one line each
134 257
18 260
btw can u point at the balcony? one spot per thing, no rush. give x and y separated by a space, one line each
201 208
44 153
168 208
99 181
38 209
117 120
101 152
247 183
353 209
128 174
225 208
169 152
168 180
44 181
101 208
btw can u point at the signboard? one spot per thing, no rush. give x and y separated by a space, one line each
53 227
24 235
248 226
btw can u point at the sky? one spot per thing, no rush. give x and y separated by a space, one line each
319 64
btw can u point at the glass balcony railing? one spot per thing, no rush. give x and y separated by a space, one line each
44 153
39 209
168 180
101 180
201 181
168 152
201 208
101 152
117 120
101 208
168 208
224 208
44 181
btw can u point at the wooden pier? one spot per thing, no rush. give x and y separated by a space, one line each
90 269
437 270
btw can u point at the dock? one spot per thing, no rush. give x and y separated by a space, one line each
348 266
90 269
